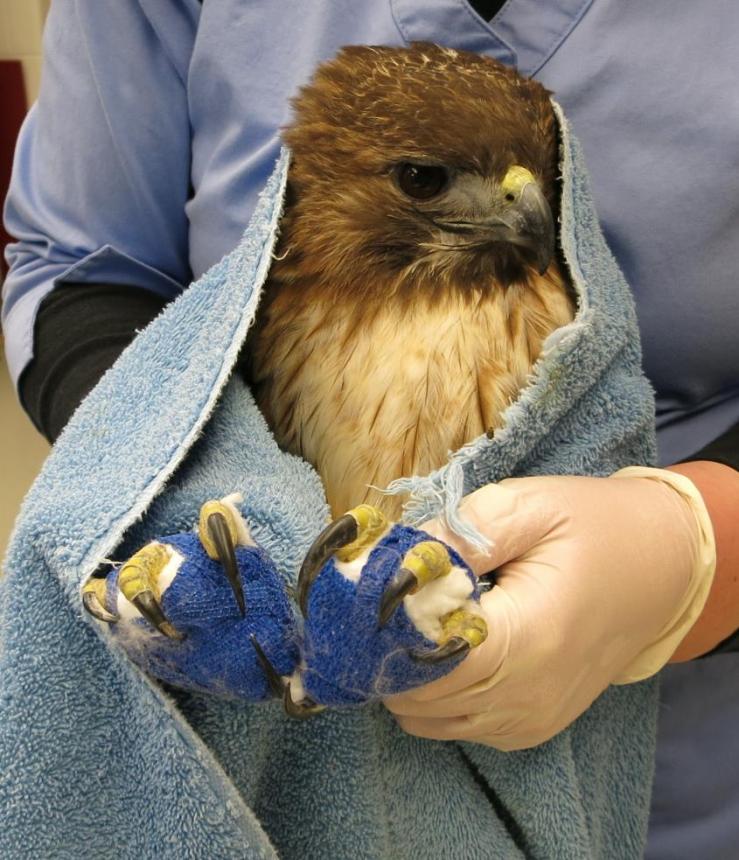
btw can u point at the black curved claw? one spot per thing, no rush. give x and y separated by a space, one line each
152 611
274 679
336 535
299 710
404 583
221 537
93 605
281 688
455 647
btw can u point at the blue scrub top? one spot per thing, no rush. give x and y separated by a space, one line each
158 123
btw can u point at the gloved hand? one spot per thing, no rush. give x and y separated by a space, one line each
597 582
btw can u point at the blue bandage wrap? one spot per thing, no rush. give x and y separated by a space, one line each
217 655
349 659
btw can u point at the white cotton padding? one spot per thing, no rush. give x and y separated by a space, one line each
243 535
441 596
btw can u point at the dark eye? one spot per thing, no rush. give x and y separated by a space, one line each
422 181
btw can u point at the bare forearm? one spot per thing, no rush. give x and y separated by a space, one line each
719 486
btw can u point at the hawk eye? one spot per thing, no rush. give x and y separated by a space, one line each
422 181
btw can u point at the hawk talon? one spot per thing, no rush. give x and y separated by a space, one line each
462 631
423 563
281 689
454 647
222 540
274 679
347 537
404 583
149 607
303 710
92 604
138 581
219 535
339 533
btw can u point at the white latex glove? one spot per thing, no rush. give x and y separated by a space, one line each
598 581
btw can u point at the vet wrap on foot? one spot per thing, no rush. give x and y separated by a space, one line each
188 608
386 607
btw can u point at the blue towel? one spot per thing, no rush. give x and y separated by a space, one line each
96 760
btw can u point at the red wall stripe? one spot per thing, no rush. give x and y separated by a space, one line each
12 110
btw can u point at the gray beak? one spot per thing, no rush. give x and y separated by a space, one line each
519 215
531 225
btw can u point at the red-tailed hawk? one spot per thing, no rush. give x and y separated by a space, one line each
416 276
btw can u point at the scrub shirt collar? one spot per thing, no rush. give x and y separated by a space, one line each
525 33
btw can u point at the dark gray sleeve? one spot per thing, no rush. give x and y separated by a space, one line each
724 450
80 331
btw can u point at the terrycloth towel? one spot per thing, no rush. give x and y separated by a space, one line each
97 761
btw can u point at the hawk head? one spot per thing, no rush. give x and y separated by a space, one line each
416 169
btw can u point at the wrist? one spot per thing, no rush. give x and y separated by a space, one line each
696 531
719 487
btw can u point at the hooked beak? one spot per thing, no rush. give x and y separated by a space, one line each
522 218
529 223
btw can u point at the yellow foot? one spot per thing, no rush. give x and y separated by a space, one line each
140 582
423 563
371 525
431 583
346 538
147 574
221 528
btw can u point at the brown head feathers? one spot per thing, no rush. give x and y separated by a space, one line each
354 208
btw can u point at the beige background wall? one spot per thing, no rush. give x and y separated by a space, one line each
21 22
22 450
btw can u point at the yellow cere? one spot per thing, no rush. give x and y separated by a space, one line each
515 179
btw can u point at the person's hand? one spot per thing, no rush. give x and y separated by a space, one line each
597 581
